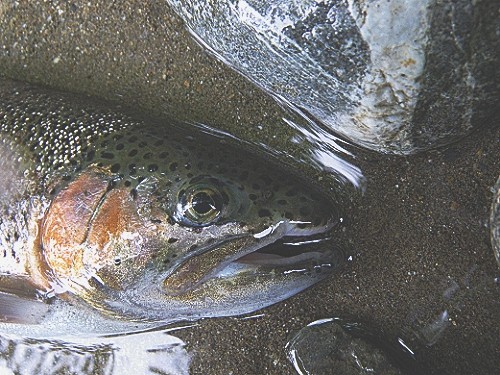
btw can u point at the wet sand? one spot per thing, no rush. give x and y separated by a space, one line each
419 237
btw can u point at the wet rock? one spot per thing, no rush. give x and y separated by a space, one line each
393 76
333 346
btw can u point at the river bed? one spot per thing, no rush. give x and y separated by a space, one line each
418 236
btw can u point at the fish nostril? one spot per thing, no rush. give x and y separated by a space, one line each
263 212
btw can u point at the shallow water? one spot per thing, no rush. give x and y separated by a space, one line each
422 267
140 353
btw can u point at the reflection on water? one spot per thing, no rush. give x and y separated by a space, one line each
140 353
321 150
373 71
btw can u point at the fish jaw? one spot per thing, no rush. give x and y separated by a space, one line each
212 262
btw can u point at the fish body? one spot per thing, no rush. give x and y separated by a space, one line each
136 220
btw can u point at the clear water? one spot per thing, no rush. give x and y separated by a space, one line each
421 264
140 353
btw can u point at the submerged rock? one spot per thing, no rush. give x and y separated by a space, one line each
393 76
333 346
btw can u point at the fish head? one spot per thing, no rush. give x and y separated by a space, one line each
222 233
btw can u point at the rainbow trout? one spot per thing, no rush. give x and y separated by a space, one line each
135 220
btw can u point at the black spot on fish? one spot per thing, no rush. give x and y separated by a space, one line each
283 202
152 167
111 185
115 168
132 153
147 156
187 166
127 183
107 155
263 212
90 155
173 167
142 144
120 146
118 261
252 197
104 144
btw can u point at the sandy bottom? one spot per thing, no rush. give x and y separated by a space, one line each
419 237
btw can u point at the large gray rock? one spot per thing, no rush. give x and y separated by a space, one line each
394 76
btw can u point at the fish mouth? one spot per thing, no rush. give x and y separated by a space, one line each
287 246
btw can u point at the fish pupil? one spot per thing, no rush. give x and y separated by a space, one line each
203 203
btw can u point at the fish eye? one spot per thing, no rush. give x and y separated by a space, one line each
200 206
